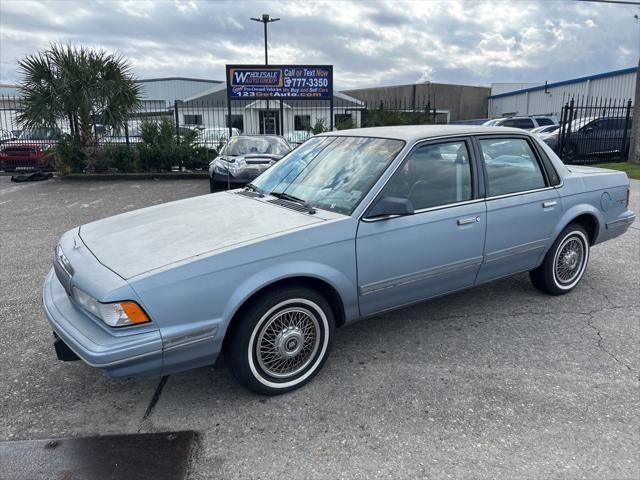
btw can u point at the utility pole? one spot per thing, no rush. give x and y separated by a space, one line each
265 19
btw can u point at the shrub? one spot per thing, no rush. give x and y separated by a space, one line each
96 160
121 158
319 126
160 150
69 155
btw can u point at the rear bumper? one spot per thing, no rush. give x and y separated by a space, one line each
118 353
617 226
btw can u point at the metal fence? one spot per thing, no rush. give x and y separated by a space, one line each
594 130
213 121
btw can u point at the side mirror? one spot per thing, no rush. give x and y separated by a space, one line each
391 206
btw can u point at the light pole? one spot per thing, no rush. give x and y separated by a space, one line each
265 19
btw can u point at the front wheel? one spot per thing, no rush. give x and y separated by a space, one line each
215 185
281 340
565 262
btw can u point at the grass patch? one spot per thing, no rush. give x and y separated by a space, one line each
631 169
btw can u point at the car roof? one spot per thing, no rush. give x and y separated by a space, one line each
413 133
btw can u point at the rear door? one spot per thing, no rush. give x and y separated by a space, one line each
522 206
438 249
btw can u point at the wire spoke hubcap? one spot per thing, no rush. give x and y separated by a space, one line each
288 342
569 260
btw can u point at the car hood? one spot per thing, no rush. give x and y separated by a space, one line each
143 240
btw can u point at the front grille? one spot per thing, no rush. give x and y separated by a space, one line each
20 151
290 205
258 162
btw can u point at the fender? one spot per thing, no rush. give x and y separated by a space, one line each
345 287
574 212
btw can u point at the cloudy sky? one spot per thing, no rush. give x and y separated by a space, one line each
369 43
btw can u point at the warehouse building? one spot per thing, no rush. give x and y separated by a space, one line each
451 102
548 99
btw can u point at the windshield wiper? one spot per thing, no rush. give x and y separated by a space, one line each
252 187
291 198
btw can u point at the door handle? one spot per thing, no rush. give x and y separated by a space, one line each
548 204
467 221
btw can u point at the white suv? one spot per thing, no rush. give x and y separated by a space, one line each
527 123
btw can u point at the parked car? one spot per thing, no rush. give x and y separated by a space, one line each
244 157
492 122
589 137
31 150
348 225
474 121
541 131
526 123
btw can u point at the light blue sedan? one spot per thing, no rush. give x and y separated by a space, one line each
348 225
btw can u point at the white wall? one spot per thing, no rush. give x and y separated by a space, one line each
537 102
216 117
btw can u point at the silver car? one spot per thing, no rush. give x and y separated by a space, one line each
243 158
348 225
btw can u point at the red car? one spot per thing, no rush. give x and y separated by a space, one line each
32 150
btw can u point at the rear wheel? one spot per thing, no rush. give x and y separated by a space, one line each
281 340
565 262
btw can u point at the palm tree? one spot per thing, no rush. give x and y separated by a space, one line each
80 85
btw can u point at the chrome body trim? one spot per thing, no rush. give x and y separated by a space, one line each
418 276
507 252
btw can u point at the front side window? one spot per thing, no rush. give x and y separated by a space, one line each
433 175
511 166
331 172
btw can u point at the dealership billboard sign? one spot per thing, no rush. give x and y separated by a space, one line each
280 81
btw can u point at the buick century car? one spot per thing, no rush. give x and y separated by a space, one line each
348 225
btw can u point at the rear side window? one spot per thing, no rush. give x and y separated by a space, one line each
544 121
511 166
518 123
433 175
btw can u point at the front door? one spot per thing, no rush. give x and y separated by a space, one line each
269 122
522 210
438 249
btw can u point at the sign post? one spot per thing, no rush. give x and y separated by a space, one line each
279 82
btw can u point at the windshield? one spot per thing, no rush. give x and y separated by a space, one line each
40 134
332 173
248 145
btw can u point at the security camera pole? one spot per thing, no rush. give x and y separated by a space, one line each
266 19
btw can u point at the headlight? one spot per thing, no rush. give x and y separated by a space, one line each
118 314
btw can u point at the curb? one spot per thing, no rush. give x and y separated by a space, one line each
80 177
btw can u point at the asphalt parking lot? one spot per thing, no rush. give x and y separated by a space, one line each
496 381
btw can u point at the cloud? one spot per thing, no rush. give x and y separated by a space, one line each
369 43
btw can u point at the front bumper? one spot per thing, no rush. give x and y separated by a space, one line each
245 174
118 352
